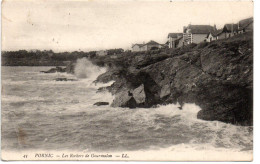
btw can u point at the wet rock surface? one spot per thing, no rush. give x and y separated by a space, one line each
56 69
139 94
124 99
101 103
64 79
68 69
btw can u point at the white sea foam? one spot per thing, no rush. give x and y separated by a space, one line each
188 110
10 82
85 69
103 96
54 74
69 108
11 98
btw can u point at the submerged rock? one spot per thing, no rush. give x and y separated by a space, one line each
64 79
53 70
101 103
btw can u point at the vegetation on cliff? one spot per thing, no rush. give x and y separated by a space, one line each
47 58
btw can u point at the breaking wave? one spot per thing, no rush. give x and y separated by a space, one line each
71 118
85 69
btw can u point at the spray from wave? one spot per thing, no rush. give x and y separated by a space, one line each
85 69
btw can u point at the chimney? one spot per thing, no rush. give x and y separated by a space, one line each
184 29
215 28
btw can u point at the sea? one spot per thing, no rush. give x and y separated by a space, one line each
40 113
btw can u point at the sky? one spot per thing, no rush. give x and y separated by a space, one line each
101 24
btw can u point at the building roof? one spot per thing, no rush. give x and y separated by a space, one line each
230 27
151 42
200 29
179 38
174 35
140 45
245 22
215 33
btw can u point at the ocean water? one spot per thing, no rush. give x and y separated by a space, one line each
39 113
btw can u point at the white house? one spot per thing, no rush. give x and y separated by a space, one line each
174 40
151 45
213 35
196 33
101 53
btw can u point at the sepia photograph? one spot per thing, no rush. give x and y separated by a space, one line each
131 80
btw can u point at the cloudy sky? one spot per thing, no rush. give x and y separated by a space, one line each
101 24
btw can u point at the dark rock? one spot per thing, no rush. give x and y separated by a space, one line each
102 89
130 94
64 79
228 103
101 103
218 77
110 75
122 99
53 70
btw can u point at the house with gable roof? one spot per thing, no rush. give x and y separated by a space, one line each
137 47
213 35
228 31
196 33
232 29
245 25
175 40
151 45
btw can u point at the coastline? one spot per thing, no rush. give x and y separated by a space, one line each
216 76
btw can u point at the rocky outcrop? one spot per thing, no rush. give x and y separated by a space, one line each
69 69
56 69
139 94
217 76
124 99
131 98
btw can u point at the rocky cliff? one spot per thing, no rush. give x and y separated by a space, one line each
217 76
